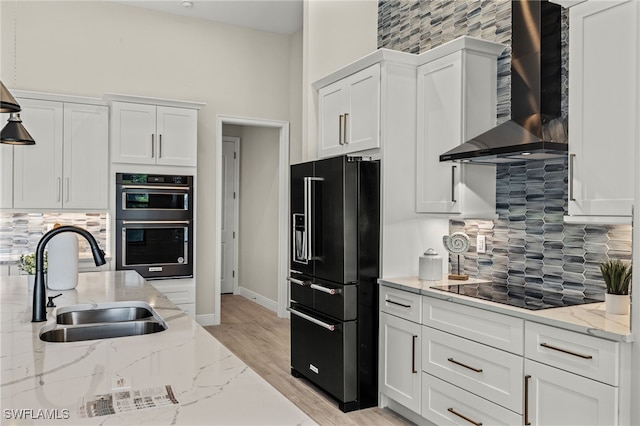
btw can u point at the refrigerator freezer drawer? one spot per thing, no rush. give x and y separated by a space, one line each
326 357
335 300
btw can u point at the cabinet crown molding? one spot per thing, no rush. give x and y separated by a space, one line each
118 97
56 97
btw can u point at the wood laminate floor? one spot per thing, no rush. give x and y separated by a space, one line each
261 339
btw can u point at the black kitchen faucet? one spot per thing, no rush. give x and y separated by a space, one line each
39 290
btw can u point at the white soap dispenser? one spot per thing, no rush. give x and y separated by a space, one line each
430 267
62 271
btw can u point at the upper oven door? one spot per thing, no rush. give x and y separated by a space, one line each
153 202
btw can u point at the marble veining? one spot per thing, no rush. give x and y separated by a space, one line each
587 319
211 384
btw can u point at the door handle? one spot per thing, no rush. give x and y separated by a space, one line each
308 213
297 281
330 327
330 291
462 416
477 370
571 158
453 184
340 118
68 188
526 400
344 128
160 146
153 140
413 354
59 189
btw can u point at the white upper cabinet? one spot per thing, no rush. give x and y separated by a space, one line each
145 133
604 95
456 101
68 165
349 114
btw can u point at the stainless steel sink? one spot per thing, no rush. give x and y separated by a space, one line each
101 331
115 314
102 321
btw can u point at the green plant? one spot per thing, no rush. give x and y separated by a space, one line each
28 263
617 276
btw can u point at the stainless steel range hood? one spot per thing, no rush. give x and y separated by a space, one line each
535 130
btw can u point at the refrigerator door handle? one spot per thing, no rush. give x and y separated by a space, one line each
330 291
330 327
297 281
308 212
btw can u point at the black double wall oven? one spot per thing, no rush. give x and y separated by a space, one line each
335 234
154 225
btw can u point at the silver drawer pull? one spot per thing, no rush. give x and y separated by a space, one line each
477 370
462 416
397 303
548 346
331 291
296 281
330 327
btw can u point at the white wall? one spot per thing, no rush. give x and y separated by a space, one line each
88 48
336 33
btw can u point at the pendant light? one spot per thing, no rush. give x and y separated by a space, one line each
13 133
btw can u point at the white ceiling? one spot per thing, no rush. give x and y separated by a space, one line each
278 16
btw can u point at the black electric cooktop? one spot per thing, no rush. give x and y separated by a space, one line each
517 295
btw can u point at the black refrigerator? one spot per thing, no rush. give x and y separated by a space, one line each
335 241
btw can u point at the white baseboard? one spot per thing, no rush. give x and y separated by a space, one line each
272 305
208 319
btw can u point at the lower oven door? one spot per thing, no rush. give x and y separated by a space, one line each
155 249
324 350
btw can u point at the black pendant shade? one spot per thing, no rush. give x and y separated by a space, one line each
7 101
14 132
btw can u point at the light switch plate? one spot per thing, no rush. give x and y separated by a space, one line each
481 244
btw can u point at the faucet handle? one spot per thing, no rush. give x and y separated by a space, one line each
50 303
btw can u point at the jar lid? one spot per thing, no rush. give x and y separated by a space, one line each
430 252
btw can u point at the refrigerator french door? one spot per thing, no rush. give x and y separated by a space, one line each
335 234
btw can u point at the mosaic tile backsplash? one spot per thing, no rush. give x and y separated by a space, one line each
20 232
528 244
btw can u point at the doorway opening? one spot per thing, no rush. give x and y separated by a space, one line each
281 181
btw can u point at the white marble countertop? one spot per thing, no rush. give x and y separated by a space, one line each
212 386
588 319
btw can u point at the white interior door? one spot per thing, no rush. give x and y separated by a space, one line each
230 152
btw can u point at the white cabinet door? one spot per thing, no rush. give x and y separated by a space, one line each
400 360
37 177
349 114
133 133
331 107
177 136
362 123
603 130
556 398
454 103
86 156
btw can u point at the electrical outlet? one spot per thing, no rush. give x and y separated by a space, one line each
481 244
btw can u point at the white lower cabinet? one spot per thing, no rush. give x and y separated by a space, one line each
446 404
181 292
557 397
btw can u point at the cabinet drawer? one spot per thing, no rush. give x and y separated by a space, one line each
497 330
485 371
400 303
446 404
578 353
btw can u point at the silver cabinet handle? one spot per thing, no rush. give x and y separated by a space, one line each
462 416
68 187
453 184
340 129
571 158
59 189
330 327
296 281
330 291
159 146
153 143
413 354
344 129
566 351
526 400
477 370
397 303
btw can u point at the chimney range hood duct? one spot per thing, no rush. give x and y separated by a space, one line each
536 131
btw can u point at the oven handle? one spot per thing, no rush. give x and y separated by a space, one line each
155 222
330 327
330 291
163 188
